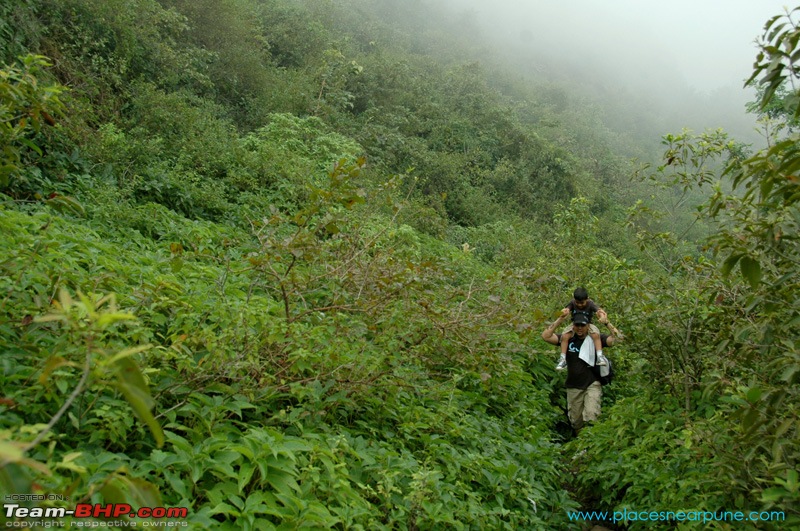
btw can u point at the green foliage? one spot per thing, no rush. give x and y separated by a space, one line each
672 220
188 132
756 223
775 61
295 35
232 35
102 47
74 346
16 29
25 107
222 342
303 335
290 152
644 454
726 341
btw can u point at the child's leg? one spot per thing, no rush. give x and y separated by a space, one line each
598 347
562 360
598 343
565 337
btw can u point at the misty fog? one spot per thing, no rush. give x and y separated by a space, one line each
685 60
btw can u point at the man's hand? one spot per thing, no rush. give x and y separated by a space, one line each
564 312
602 316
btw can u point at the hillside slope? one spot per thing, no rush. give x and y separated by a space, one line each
285 264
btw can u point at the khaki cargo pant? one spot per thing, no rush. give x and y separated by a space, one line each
583 405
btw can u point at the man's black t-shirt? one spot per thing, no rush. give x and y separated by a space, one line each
579 373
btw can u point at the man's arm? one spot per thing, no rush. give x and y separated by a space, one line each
616 335
549 334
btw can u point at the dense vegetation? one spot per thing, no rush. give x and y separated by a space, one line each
286 263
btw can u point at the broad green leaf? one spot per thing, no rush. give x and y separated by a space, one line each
53 363
175 482
729 263
176 264
13 478
141 493
792 480
750 418
282 482
132 385
751 271
127 353
245 475
67 462
50 317
753 394
110 318
66 204
226 509
774 494
12 453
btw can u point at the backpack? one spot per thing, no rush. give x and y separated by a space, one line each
609 372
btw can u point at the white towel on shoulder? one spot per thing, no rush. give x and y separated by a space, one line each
587 352
589 355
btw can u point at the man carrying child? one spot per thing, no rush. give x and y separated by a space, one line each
579 356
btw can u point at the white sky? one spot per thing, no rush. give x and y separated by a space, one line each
710 43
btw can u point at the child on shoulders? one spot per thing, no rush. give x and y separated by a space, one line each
581 304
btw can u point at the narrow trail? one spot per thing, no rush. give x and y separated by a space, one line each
573 467
587 504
